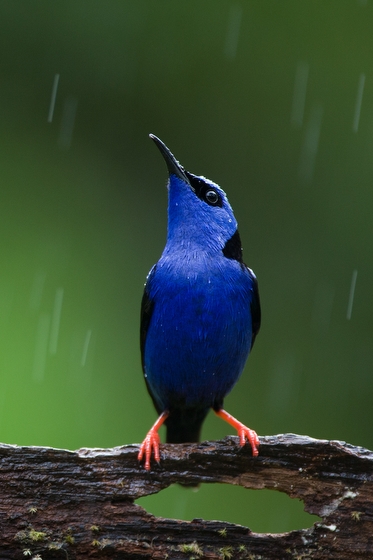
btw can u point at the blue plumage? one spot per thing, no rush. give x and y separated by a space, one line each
200 311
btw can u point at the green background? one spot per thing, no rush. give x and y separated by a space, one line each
263 98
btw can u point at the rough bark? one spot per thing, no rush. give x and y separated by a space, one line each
76 505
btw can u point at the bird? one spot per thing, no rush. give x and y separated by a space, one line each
200 313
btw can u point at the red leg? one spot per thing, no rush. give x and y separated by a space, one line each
152 441
242 430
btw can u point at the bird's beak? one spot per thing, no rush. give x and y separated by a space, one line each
173 166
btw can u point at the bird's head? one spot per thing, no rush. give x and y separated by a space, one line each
199 214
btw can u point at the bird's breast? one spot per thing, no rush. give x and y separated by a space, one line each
199 335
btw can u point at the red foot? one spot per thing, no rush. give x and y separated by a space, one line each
152 441
242 430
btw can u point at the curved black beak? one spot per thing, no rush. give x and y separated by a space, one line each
173 166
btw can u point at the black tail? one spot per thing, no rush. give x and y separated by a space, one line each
184 426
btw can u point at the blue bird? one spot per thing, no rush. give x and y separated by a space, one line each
200 312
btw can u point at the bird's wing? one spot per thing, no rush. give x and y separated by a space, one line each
255 307
147 306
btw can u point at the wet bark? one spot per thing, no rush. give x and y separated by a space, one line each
76 505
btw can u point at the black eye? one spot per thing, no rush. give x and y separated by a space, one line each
212 197
206 192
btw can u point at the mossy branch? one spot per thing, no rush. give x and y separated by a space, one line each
62 504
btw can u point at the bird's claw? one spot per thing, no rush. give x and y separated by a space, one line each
244 432
151 441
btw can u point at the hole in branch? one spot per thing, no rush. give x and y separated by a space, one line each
263 511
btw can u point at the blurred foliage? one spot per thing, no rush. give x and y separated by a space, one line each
83 214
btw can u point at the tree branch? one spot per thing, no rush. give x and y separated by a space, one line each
74 505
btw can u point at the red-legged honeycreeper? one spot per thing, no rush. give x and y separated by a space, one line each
200 312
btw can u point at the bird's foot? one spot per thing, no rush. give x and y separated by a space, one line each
152 441
245 432
242 431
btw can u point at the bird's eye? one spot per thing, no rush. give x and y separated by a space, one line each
212 197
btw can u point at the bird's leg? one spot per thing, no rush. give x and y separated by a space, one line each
243 431
152 441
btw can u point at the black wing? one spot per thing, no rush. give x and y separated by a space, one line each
255 307
147 307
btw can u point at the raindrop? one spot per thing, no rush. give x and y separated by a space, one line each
85 347
41 347
233 31
53 97
56 319
359 99
67 124
352 294
284 384
310 145
299 95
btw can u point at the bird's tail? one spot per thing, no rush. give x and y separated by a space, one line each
184 426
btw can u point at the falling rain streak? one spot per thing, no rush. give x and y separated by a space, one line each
359 99
310 145
299 95
67 124
352 294
53 97
41 347
56 319
284 389
85 347
233 31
